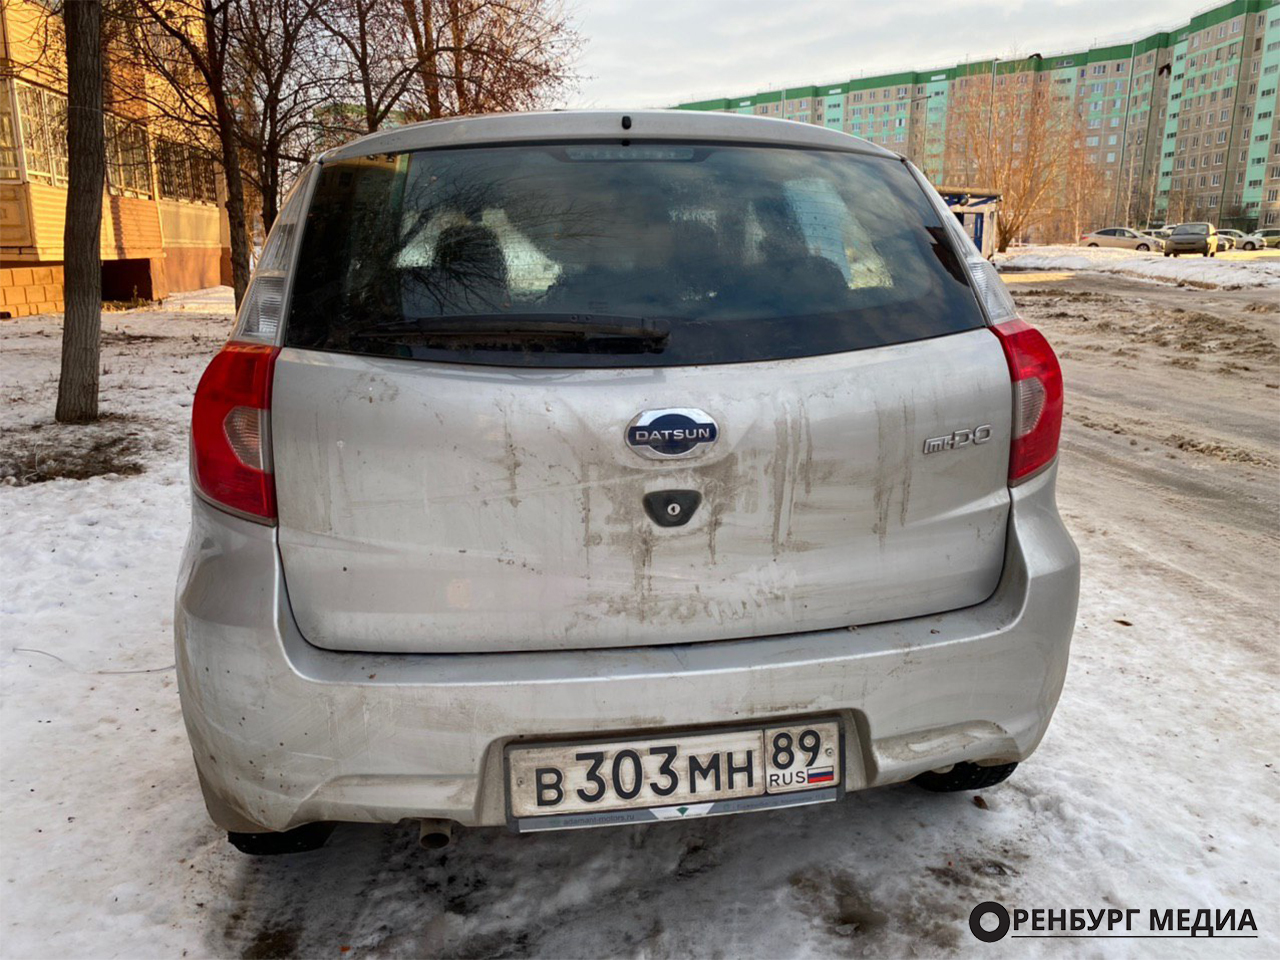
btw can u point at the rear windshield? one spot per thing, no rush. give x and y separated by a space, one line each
636 254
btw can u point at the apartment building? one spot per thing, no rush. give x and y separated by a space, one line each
1181 124
163 229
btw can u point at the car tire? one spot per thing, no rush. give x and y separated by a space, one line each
964 776
1093 244
1143 247
1247 246
1168 254
310 836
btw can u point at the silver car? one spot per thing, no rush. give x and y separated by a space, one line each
576 469
1121 237
1243 241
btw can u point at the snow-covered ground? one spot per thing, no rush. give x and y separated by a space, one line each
1228 271
1156 786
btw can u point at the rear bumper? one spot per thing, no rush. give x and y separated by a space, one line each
284 733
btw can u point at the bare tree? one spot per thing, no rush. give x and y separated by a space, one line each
424 59
486 56
1083 198
279 62
1008 133
189 45
82 255
371 55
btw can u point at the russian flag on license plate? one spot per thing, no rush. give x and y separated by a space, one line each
821 775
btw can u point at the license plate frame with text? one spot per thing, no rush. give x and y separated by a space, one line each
673 776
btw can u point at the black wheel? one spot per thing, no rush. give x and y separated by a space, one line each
1093 244
1143 247
965 776
310 836
1247 246
1168 254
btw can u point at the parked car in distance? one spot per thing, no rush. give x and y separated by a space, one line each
1243 241
1199 238
482 521
1120 237
1270 236
1162 234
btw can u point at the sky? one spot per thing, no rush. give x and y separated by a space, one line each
655 53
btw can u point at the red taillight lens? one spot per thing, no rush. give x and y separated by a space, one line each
1037 398
230 421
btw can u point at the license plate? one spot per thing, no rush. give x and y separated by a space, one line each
560 786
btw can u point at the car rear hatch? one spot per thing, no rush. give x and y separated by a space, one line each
503 366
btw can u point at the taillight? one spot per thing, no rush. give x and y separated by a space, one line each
1037 398
231 430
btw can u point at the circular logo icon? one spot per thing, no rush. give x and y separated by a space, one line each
984 909
672 433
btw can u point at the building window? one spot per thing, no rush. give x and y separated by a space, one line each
8 136
128 158
44 134
185 173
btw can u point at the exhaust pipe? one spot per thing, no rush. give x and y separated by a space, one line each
434 834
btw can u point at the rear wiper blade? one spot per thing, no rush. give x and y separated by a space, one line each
579 326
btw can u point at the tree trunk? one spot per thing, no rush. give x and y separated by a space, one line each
82 254
424 43
459 58
236 219
216 28
269 167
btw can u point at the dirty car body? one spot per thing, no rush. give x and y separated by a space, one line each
567 469
1192 238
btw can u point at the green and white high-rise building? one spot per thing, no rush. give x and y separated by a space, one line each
1182 124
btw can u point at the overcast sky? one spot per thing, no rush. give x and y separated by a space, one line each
640 53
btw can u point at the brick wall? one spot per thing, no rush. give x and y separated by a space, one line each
28 290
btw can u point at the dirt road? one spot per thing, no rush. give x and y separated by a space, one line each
1156 786
1171 441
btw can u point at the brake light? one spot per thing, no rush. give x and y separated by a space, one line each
1037 398
230 430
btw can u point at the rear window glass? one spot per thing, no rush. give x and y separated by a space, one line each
598 254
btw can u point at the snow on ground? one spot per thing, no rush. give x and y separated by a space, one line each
213 301
1156 786
1229 271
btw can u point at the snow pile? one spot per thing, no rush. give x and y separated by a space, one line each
1155 787
212 301
1220 272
